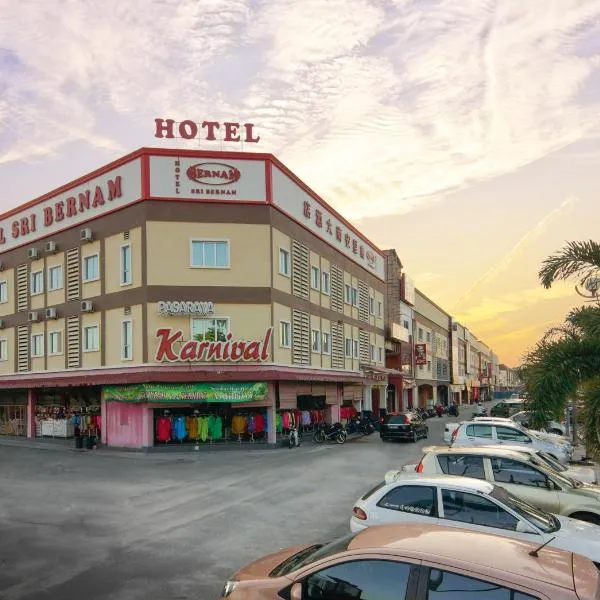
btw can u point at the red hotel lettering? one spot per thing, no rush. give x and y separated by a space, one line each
329 227
114 188
23 226
59 213
231 132
355 246
188 129
84 201
98 197
338 234
2 238
307 209
210 126
318 218
347 240
194 350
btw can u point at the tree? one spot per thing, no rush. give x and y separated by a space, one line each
565 363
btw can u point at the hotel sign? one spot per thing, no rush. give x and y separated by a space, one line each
205 130
174 308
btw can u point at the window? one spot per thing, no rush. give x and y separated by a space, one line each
91 338
315 278
429 365
414 499
469 508
316 340
325 285
480 431
326 343
209 254
55 345
406 325
285 334
210 330
506 470
444 585
371 306
37 282
284 262
126 264
380 354
37 345
348 348
372 348
127 340
366 579
510 434
348 297
429 336
354 296
355 348
463 465
420 334
91 267
379 308
3 291
3 349
55 277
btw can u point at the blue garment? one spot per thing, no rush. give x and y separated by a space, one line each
179 428
268 421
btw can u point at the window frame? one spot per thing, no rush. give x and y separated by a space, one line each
192 319
315 338
32 275
523 466
122 281
3 344
84 278
380 354
371 306
473 425
50 269
325 282
513 429
372 352
288 258
457 456
3 286
288 333
62 346
355 297
346 353
355 348
42 349
326 347
124 322
213 240
434 489
348 294
315 277
84 347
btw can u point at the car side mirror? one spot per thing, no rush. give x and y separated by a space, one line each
296 592
523 527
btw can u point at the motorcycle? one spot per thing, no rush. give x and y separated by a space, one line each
294 439
453 410
326 432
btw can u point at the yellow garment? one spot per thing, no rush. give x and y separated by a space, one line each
203 428
238 425
192 427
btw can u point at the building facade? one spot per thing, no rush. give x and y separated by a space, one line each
213 293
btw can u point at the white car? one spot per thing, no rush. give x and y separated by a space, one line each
484 433
449 430
552 426
471 504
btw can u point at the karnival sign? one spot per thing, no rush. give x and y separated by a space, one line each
172 348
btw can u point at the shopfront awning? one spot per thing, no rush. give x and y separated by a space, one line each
187 392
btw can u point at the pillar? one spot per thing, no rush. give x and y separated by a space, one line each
435 397
272 414
31 404
103 436
335 413
367 403
147 426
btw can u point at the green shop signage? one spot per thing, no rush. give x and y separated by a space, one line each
187 392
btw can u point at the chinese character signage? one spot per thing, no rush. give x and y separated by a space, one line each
420 354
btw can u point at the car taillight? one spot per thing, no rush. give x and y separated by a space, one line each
359 513
419 468
454 434
406 420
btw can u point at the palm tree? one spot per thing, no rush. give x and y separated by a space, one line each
565 364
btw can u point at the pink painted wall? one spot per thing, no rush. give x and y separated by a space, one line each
128 425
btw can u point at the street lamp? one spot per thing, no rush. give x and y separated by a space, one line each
592 286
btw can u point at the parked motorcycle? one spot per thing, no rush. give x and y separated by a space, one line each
335 432
294 440
453 410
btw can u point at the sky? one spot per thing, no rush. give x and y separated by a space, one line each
464 134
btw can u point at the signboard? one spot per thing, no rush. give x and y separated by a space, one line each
202 179
301 206
408 289
420 354
211 131
173 348
94 198
174 308
187 392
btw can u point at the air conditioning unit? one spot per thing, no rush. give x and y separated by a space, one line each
86 235
2 324
50 246
33 253
33 316
51 313
87 306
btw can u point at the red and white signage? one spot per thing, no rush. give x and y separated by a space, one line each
173 348
205 130
420 354
94 198
206 179
311 213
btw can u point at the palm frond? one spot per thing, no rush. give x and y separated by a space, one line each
586 319
590 392
576 258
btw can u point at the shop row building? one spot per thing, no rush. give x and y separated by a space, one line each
178 296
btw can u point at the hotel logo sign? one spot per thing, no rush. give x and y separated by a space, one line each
213 174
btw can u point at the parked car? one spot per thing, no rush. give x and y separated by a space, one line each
449 430
507 408
475 505
477 433
576 472
417 562
519 474
403 426
523 418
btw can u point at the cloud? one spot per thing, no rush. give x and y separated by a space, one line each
519 248
382 106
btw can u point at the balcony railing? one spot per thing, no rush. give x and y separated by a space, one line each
398 333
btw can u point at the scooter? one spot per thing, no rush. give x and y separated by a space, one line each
294 439
326 432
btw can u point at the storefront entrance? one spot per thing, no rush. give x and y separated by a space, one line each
13 413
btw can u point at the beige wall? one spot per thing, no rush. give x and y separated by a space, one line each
281 355
91 360
281 282
112 262
246 322
168 254
113 339
56 296
8 307
55 362
8 366
91 288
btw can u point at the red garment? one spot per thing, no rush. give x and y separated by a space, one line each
163 429
259 423
297 417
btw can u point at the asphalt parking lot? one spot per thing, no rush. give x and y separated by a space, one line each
127 527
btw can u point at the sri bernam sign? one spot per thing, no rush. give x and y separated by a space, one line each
173 348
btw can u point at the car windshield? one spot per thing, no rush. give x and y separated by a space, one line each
557 477
554 464
542 520
312 554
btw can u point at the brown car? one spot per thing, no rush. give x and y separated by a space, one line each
417 562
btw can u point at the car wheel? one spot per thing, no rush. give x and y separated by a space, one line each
415 437
587 517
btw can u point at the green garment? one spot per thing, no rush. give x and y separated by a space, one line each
279 424
203 428
215 427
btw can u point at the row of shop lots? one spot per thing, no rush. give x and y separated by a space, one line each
241 332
